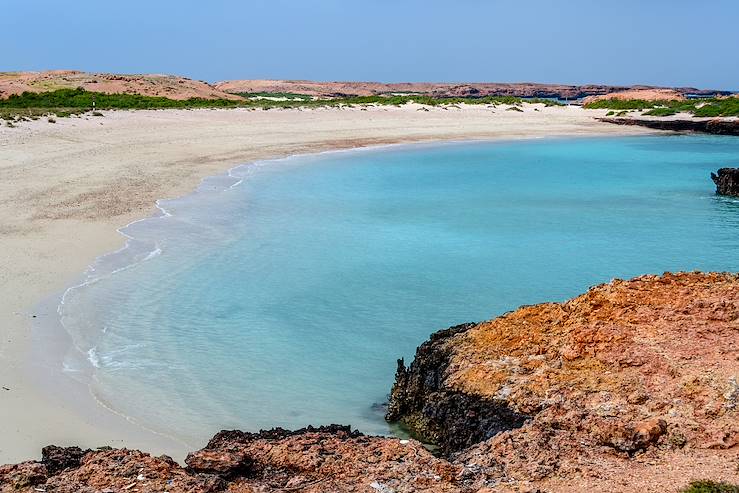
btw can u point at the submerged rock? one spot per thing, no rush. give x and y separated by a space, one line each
727 181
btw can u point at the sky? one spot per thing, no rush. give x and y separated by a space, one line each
656 42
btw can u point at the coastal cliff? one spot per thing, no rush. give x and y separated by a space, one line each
632 386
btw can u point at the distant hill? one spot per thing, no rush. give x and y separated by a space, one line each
179 88
329 89
169 86
643 94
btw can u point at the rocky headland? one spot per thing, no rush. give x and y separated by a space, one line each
630 367
631 386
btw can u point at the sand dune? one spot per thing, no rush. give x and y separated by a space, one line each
646 94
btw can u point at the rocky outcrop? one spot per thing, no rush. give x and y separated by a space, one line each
312 460
332 458
435 413
727 181
625 368
60 458
715 126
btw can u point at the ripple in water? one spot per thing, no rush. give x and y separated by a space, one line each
282 293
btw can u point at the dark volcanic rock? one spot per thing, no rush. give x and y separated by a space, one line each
226 437
59 458
448 418
727 181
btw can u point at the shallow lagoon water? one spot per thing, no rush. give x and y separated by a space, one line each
283 293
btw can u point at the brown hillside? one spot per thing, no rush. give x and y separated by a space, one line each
169 86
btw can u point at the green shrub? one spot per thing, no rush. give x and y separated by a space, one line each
661 112
704 107
710 487
66 102
620 104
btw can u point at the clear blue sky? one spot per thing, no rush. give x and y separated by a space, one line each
661 42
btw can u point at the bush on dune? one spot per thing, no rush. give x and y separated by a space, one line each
65 102
704 107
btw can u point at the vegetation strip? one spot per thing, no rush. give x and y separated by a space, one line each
66 102
704 107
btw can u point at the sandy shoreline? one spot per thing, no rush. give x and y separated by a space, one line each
66 187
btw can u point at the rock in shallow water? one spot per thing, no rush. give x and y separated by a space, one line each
727 181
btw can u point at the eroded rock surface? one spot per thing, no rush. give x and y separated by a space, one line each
627 367
312 460
436 413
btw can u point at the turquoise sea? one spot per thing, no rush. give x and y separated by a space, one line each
282 293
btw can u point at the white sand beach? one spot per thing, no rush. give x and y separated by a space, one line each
66 187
